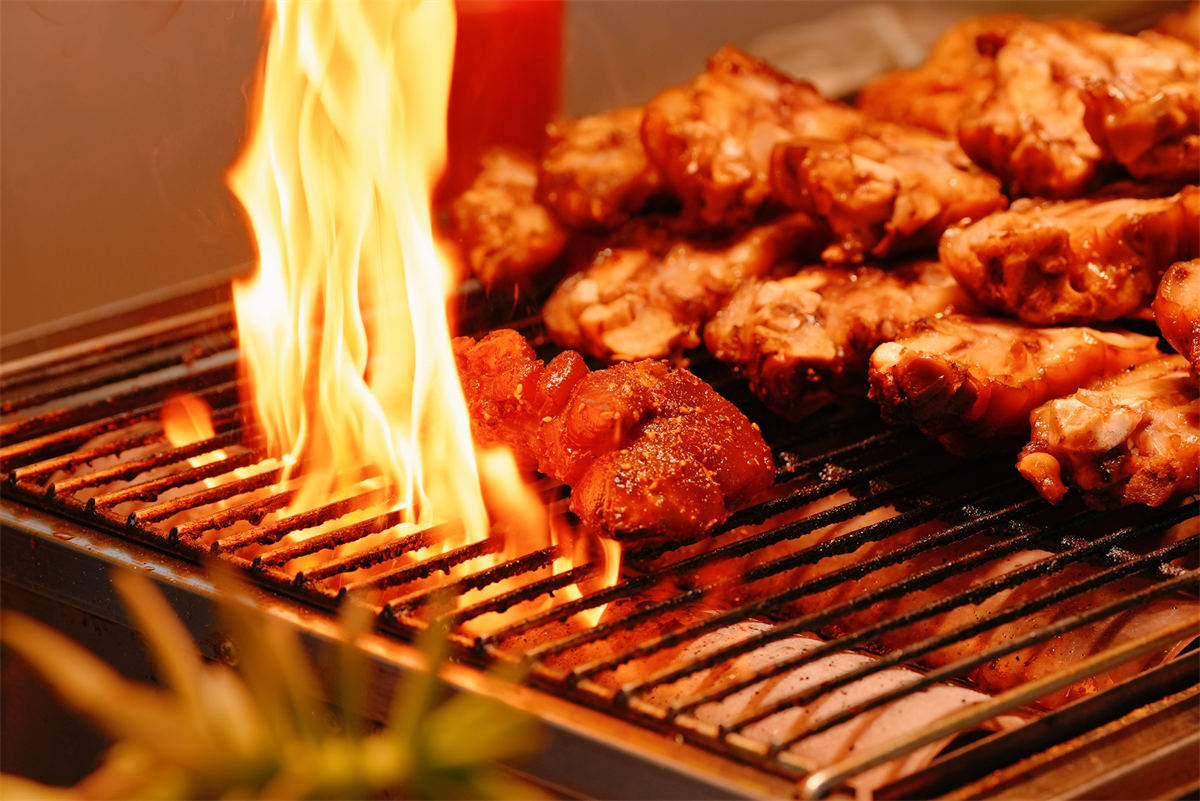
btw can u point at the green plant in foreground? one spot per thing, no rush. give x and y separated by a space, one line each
258 732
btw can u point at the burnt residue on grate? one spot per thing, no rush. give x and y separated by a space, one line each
862 518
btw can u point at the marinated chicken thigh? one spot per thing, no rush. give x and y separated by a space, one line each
805 340
886 190
1132 438
1074 261
1030 130
972 382
648 449
505 234
1183 25
1177 310
1146 115
647 295
955 80
594 171
712 139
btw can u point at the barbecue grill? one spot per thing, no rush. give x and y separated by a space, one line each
89 482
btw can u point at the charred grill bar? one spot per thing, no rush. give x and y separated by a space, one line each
67 409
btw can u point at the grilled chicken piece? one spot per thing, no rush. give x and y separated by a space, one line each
886 190
1030 130
505 233
1146 116
646 295
648 449
972 382
806 340
712 138
1074 261
1177 310
1183 25
956 79
1132 438
594 171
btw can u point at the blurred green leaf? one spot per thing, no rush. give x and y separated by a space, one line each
258 732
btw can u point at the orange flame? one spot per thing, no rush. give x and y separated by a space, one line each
343 329
186 419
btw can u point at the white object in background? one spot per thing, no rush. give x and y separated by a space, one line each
841 52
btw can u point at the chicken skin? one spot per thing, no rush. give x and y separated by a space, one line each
648 449
955 80
972 382
1177 310
505 234
1146 115
1183 25
712 139
1074 261
594 171
805 340
647 294
886 190
1132 438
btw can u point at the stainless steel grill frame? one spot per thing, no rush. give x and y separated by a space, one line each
56 402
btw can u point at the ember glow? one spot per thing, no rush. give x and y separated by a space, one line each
343 329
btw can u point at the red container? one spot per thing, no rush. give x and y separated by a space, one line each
507 81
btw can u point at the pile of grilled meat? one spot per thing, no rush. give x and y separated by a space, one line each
961 248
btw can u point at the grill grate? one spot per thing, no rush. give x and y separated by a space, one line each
81 437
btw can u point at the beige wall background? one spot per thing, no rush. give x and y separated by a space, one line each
118 119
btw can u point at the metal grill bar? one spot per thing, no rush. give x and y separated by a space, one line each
1189 581
381 553
819 783
1049 566
834 452
26 451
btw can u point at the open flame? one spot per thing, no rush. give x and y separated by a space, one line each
343 330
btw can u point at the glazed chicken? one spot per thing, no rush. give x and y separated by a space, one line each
955 80
972 382
505 234
594 171
648 293
648 449
1030 130
805 340
1047 106
1146 115
886 190
1132 438
712 139
1074 261
1183 25
1177 310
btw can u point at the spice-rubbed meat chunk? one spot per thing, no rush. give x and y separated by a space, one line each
647 295
712 138
1146 115
504 232
1177 310
806 339
955 80
647 448
1132 438
1074 261
594 171
972 382
886 190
